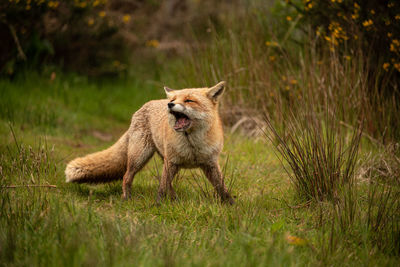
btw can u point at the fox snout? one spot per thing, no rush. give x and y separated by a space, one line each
176 107
182 122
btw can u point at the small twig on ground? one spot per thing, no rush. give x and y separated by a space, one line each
21 53
301 205
30 185
363 133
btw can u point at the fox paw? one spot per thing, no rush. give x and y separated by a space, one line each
126 197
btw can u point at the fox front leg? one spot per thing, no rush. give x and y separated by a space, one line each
169 172
214 175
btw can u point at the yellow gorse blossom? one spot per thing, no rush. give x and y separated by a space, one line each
81 4
153 43
90 21
268 43
126 18
53 4
397 66
385 66
394 46
367 23
336 35
294 240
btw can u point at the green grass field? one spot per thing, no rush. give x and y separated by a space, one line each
44 124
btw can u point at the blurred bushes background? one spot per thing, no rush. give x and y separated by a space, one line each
275 55
95 37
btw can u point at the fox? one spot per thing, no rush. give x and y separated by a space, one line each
185 130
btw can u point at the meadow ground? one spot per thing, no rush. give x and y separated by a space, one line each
46 122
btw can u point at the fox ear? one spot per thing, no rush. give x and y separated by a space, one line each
168 91
215 92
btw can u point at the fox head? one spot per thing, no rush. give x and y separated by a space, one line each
193 108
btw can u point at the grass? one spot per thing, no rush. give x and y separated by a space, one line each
319 156
46 123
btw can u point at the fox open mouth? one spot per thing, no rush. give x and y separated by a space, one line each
182 123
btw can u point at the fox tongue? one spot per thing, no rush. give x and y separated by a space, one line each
181 123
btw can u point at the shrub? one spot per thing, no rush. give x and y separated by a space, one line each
371 24
77 34
320 157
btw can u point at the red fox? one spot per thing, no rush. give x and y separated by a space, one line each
185 130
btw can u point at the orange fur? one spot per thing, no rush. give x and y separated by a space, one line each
153 129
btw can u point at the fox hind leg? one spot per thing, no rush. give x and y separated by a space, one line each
139 153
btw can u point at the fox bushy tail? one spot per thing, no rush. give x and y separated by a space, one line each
103 166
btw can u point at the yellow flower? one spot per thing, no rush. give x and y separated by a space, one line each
386 66
389 34
126 18
153 43
53 4
102 14
268 43
96 3
397 66
90 22
294 240
397 17
394 45
272 58
289 18
372 12
80 4
347 57
293 81
367 23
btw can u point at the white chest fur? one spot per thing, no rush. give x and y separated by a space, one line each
193 150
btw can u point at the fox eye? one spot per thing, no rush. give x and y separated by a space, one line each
188 101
